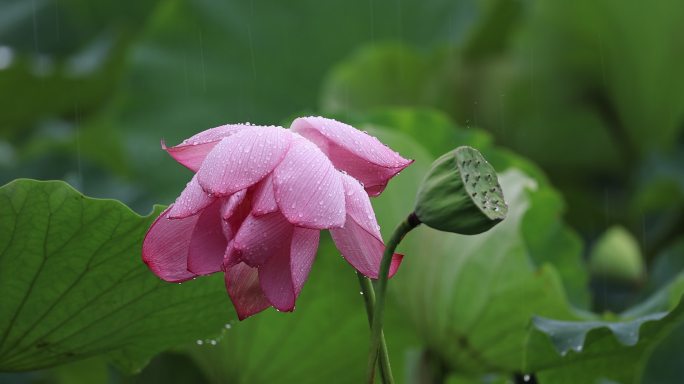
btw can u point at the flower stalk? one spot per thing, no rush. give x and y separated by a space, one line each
369 299
404 227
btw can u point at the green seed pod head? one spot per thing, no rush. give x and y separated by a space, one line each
461 194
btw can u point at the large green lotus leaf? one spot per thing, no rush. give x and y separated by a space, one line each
618 348
74 286
324 340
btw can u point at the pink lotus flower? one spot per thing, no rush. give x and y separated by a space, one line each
259 198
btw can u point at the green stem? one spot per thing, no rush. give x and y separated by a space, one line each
376 329
369 298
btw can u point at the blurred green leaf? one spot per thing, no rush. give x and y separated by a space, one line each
35 88
635 68
550 240
377 76
617 349
74 285
664 364
660 182
92 371
63 58
491 35
168 368
668 265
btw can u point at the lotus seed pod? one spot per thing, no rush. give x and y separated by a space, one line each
461 194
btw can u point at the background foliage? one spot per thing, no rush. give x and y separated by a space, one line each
578 105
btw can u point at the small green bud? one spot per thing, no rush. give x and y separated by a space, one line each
616 256
461 194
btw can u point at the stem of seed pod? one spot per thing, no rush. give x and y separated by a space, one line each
369 298
376 329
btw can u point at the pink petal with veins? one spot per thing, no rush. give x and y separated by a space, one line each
231 204
192 200
283 274
243 159
260 237
208 242
359 240
264 197
242 284
191 152
355 152
166 245
308 188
